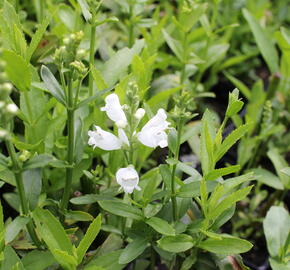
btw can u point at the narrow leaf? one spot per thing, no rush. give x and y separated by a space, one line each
89 237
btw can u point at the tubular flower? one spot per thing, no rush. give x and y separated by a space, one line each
103 139
153 133
128 179
114 110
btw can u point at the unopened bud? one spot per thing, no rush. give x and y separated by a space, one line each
7 87
12 108
121 124
3 134
24 155
2 104
139 114
66 41
81 53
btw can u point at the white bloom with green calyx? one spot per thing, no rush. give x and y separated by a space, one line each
104 139
128 179
114 110
153 133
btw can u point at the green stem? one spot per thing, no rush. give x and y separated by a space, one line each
70 149
77 93
28 106
131 27
92 57
176 154
152 258
21 191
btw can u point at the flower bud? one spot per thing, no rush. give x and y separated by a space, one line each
3 134
12 108
66 41
3 76
25 155
2 64
81 53
139 114
2 104
121 124
79 67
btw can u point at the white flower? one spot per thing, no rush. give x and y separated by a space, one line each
123 137
128 179
104 140
139 113
153 133
114 110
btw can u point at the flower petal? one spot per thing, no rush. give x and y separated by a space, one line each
104 140
128 179
114 109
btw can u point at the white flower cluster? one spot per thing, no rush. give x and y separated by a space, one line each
152 135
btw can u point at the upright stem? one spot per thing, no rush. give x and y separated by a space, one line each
131 27
176 154
21 191
92 57
70 149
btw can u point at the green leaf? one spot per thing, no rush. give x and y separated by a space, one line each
276 228
192 189
161 226
230 140
107 261
38 161
229 201
89 198
98 78
268 178
18 70
178 243
227 245
32 186
277 265
206 143
85 9
39 260
13 228
264 42
93 98
279 163
11 259
119 62
78 215
89 237
233 182
163 95
51 231
239 84
216 173
52 85
286 171
133 250
67 261
174 45
166 175
121 209
36 38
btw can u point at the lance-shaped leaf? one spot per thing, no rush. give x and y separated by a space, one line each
52 85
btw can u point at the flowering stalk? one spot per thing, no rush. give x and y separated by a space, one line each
176 155
21 191
92 55
70 148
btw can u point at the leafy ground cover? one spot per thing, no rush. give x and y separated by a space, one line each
140 134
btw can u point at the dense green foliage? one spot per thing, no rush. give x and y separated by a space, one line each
141 134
